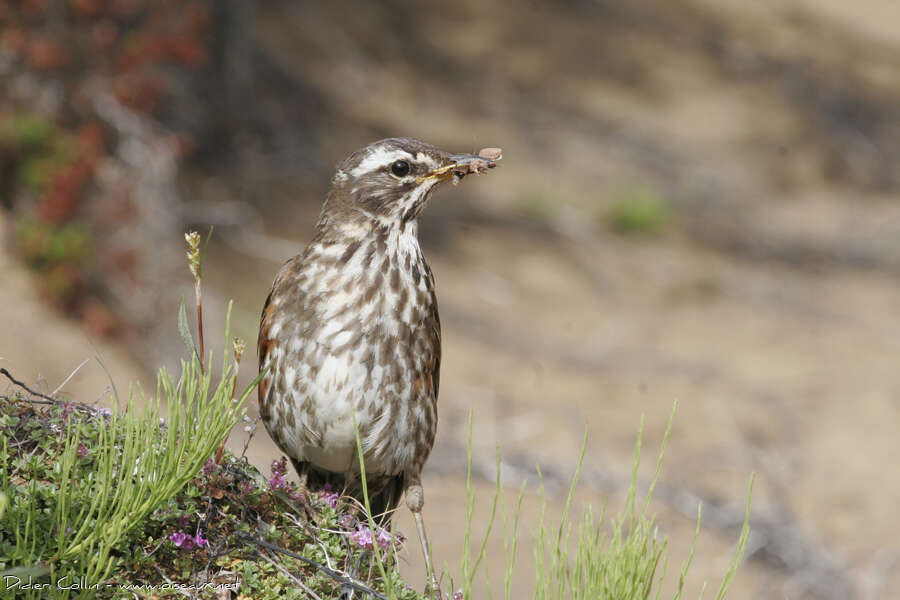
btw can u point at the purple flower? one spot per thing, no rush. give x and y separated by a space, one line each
199 539
106 412
210 467
383 539
82 450
187 542
245 487
279 467
362 537
182 540
67 410
346 521
457 595
276 482
279 470
332 498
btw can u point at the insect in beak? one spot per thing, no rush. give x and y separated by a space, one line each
462 164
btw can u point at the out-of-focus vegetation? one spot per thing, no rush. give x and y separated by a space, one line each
637 211
82 76
53 167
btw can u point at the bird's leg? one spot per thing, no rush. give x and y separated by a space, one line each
302 468
415 500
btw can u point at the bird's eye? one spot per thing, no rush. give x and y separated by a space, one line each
400 168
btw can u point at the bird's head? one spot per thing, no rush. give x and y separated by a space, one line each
389 182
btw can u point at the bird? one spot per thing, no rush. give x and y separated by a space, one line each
350 336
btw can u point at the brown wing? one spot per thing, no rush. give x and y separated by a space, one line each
434 331
436 336
264 344
427 385
263 347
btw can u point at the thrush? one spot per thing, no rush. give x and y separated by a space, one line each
350 338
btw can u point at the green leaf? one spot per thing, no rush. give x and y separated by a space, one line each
26 572
185 329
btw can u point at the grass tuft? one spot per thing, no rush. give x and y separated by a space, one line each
615 561
73 499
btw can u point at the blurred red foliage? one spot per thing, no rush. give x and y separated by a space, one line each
45 54
138 51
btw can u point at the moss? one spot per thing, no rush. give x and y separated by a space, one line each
28 132
638 211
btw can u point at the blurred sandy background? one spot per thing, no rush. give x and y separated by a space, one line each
698 202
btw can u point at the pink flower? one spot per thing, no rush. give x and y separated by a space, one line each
279 467
210 467
279 470
182 540
106 412
331 498
383 539
362 537
67 410
276 482
199 539
187 542
346 521
82 450
457 595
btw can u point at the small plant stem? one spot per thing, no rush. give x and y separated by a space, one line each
220 451
197 293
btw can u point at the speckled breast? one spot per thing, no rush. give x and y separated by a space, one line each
354 330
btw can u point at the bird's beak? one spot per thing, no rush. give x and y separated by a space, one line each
460 165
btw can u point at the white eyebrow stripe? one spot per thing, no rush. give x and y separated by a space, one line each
378 158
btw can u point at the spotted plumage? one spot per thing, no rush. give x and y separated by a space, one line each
351 329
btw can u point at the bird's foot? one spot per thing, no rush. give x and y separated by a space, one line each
432 589
304 500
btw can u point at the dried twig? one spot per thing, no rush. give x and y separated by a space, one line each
112 384
346 581
47 399
251 431
44 398
71 375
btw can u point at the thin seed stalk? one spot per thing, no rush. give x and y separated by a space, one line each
199 297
